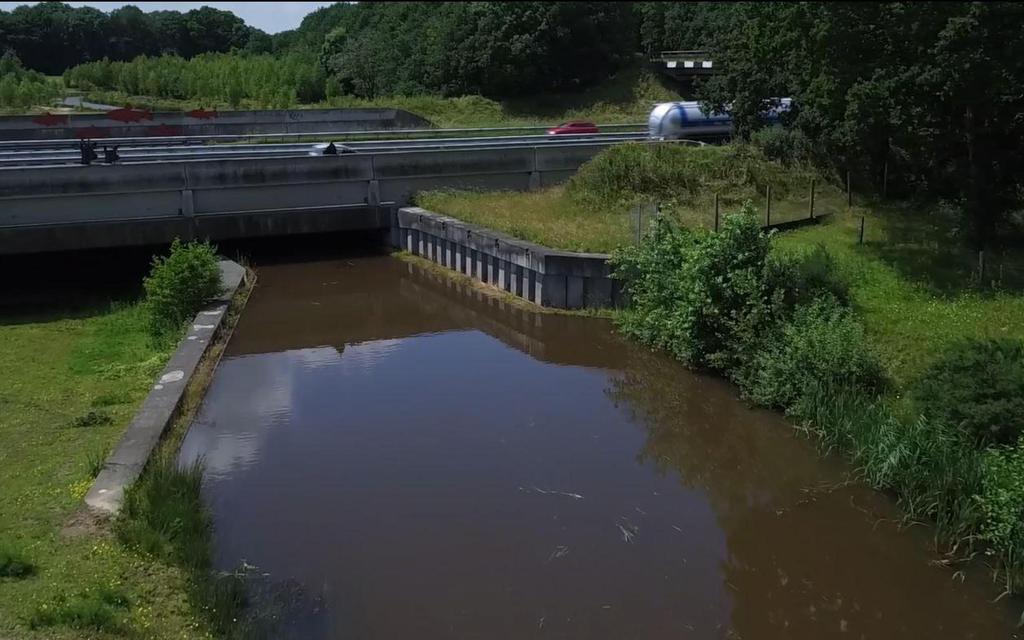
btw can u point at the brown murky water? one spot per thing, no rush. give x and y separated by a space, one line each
425 462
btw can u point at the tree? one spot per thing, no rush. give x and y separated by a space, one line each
929 92
52 36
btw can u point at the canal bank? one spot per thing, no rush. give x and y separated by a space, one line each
79 360
536 475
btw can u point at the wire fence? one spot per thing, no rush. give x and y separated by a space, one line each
921 245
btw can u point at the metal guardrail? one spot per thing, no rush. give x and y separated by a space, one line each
134 155
337 136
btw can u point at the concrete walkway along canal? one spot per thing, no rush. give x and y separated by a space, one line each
423 461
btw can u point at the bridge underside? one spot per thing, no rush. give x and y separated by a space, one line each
153 231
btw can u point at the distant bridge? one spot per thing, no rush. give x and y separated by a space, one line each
684 64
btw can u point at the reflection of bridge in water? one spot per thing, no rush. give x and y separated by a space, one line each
426 302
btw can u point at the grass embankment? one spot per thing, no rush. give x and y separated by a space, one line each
858 343
596 210
625 98
71 384
914 295
72 381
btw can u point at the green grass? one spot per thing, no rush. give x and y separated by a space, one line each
595 211
626 97
912 307
61 370
546 217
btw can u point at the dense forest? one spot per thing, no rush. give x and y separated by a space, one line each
908 96
52 36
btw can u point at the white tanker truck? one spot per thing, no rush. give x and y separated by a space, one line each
679 120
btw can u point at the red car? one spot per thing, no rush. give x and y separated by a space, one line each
573 127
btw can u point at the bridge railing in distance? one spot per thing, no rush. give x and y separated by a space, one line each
28 145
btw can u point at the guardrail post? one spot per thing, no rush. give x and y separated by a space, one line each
373 193
534 183
811 212
188 204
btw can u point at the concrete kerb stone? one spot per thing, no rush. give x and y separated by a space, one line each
545 276
158 410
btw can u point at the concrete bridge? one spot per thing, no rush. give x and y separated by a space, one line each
684 64
82 207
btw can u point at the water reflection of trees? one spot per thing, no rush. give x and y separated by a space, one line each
698 429
805 557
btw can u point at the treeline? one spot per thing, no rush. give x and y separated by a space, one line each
21 88
495 49
261 79
52 36
377 49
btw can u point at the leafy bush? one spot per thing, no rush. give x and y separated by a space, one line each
977 385
1002 501
788 146
209 78
669 172
693 292
824 344
806 275
23 88
179 284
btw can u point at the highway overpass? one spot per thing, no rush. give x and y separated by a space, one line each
80 207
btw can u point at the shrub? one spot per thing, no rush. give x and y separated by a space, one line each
824 344
669 172
694 292
179 284
805 276
782 144
1002 502
977 385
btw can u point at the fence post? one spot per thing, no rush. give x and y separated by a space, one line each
811 212
861 240
885 179
981 266
768 206
716 213
849 193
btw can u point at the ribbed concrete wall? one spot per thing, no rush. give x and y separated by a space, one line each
543 276
123 123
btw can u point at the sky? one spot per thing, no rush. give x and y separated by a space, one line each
271 17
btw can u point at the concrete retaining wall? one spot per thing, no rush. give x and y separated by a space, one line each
103 125
159 409
546 277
